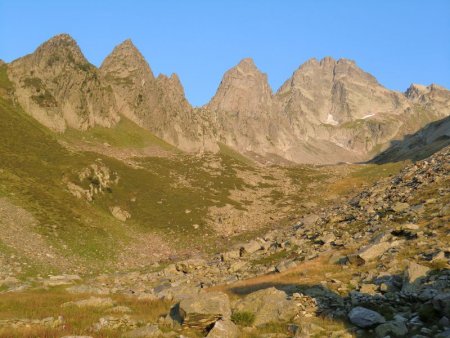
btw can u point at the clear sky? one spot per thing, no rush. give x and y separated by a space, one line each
399 41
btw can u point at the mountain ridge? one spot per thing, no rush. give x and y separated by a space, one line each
328 111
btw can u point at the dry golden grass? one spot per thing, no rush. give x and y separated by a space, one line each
39 304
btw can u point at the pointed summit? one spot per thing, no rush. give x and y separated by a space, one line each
334 92
126 59
60 48
60 88
244 89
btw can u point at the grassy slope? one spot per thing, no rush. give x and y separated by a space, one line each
33 165
125 134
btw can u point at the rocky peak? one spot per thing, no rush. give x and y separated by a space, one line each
60 49
433 96
416 90
127 63
243 89
333 92
60 88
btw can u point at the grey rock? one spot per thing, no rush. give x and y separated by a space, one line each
365 318
392 329
144 332
203 310
267 305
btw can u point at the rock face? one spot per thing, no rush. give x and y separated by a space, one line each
60 88
328 111
157 104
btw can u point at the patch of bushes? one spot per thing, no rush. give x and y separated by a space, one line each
243 318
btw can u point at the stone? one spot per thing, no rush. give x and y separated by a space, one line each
441 303
144 332
224 329
267 305
285 265
365 318
370 289
414 275
202 310
230 255
400 207
120 214
374 251
250 247
392 329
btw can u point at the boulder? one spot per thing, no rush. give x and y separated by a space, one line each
144 332
415 274
441 303
120 214
224 329
374 251
285 265
230 255
189 265
250 247
365 318
392 329
267 305
202 310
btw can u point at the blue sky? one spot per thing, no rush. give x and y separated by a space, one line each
399 42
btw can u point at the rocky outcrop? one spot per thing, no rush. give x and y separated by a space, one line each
60 88
157 104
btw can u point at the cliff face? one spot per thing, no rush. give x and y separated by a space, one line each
60 88
157 104
328 111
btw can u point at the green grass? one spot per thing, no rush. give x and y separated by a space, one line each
125 134
227 151
35 167
5 83
243 318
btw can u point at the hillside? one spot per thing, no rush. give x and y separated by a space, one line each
318 210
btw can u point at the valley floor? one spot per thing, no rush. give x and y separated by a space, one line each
357 259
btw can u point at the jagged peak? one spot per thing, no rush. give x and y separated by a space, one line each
128 45
327 60
247 65
62 37
126 52
60 48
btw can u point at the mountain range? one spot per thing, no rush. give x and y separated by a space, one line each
329 111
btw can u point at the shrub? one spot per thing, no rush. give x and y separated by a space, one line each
243 318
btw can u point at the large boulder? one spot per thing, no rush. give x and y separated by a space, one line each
144 332
415 274
441 303
392 329
224 329
374 251
250 247
365 318
267 305
202 310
